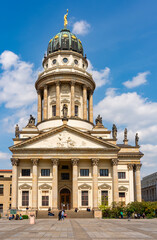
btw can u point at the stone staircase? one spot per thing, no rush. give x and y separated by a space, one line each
70 214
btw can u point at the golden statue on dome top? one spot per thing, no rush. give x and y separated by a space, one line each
65 20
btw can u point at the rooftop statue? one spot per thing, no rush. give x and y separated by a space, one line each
136 140
114 131
65 20
17 131
31 121
125 134
98 120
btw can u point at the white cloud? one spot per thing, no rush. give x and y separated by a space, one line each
137 81
100 77
4 156
81 27
16 81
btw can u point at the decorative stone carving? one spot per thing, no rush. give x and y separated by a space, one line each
35 161
45 186
95 161
31 121
55 161
136 140
53 102
65 111
17 134
15 161
25 186
138 167
115 162
130 166
65 141
123 188
65 101
98 120
75 161
104 186
77 102
84 186
114 131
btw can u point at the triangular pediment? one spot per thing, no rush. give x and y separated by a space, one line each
25 186
84 186
45 186
64 137
123 188
104 186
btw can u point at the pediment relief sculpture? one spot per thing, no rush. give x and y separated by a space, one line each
65 141
45 186
104 186
25 186
84 186
122 188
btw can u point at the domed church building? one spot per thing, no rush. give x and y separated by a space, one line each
65 160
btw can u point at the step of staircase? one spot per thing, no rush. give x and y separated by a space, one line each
70 214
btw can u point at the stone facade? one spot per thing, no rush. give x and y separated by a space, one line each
65 160
5 190
149 187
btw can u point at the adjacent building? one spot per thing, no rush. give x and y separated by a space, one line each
67 161
5 190
149 187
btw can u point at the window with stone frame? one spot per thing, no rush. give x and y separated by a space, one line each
122 197
1 189
84 198
104 198
26 172
76 111
53 110
121 175
1 208
104 172
10 189
84 172
45 198
25 198
45 172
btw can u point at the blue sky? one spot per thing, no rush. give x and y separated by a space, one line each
119 38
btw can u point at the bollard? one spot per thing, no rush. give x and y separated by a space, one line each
32 219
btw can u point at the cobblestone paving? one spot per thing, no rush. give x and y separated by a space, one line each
79 229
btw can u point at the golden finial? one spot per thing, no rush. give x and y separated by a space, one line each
65 20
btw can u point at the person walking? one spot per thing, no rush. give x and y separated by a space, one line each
62 215
121 214
129 216
59 215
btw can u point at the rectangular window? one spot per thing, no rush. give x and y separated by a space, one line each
1 189
104 197
1 176
45 200
76 111
122 197
65 176
84 172
25 198
122 194
121 175
104 172
84 198
1 207
10 206
45 172
10 189
26 172
53 110
65 167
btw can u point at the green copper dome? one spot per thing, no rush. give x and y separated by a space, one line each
65 40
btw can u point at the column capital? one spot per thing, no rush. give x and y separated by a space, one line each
72 83
55 161
138 166
35 162
115 162
75 161
45 86
39 91
58 83
95 161
14 161
84 86
130 166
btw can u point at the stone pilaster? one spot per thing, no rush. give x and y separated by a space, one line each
72 99
131 182
58 99
39 106
45 102
134 182
115 181
74 182
90 108
55 163
95 162
15 163
35 184
84 102
138 183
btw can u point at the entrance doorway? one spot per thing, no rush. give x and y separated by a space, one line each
65 199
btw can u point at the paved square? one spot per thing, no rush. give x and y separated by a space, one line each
79 229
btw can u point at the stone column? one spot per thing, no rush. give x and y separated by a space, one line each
90 108
131 182
134 182
39 106
35 184
138 183
58 99
45 102
74 182
55 163
14 183
72 99
115 181
95 162
84 102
